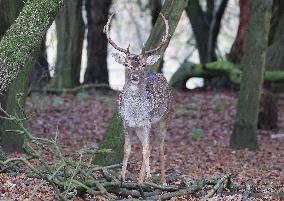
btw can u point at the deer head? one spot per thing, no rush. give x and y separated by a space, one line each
135 64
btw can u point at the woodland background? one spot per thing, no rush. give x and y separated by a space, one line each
60 134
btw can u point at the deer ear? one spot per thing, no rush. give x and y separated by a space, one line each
119 58
152 59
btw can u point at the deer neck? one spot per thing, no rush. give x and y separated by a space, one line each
134 89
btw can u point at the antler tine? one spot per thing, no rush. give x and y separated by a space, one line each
164 41
106 30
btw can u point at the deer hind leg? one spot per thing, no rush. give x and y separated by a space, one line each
127 149
162 134
143 135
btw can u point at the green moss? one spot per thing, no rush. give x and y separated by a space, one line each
114 140
20 41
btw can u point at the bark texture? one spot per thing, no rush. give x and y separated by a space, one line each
206 27
97 16
253 62
9 10
25 36
173 10
70 36
156 6
237 49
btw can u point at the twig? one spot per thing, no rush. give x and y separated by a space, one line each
39 186
248 191
197 185
217 186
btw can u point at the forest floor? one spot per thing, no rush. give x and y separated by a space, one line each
197 144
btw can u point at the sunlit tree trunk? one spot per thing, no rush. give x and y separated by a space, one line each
70 35
97 16
253 62
173 9
24 36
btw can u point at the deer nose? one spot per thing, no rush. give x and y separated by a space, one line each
135 78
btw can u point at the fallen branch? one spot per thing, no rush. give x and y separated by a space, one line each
248 191
216 69
218 185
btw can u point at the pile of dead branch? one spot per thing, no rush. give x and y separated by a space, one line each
75 174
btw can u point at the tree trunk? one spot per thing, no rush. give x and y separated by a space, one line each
200 27
156 6
253 62
25 35
40 74
12 141
214 29
206 27
172 9
70 36
15 66
97 16
14 103
275 51
237 49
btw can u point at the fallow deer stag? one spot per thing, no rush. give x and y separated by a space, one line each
144 102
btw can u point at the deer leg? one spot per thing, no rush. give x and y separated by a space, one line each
142 173
127 149
162 133
143 135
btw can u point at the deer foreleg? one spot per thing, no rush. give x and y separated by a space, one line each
142 172
127 149
143 135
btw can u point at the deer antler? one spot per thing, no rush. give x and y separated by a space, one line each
106 30
164 41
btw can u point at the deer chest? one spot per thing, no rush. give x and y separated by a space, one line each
134 109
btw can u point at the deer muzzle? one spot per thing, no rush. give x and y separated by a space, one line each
134 79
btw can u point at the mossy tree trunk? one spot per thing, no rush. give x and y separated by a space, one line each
156 6
25 35
217 69
70 35
12 141
253 62
173 10
97 16
14 103
17 50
